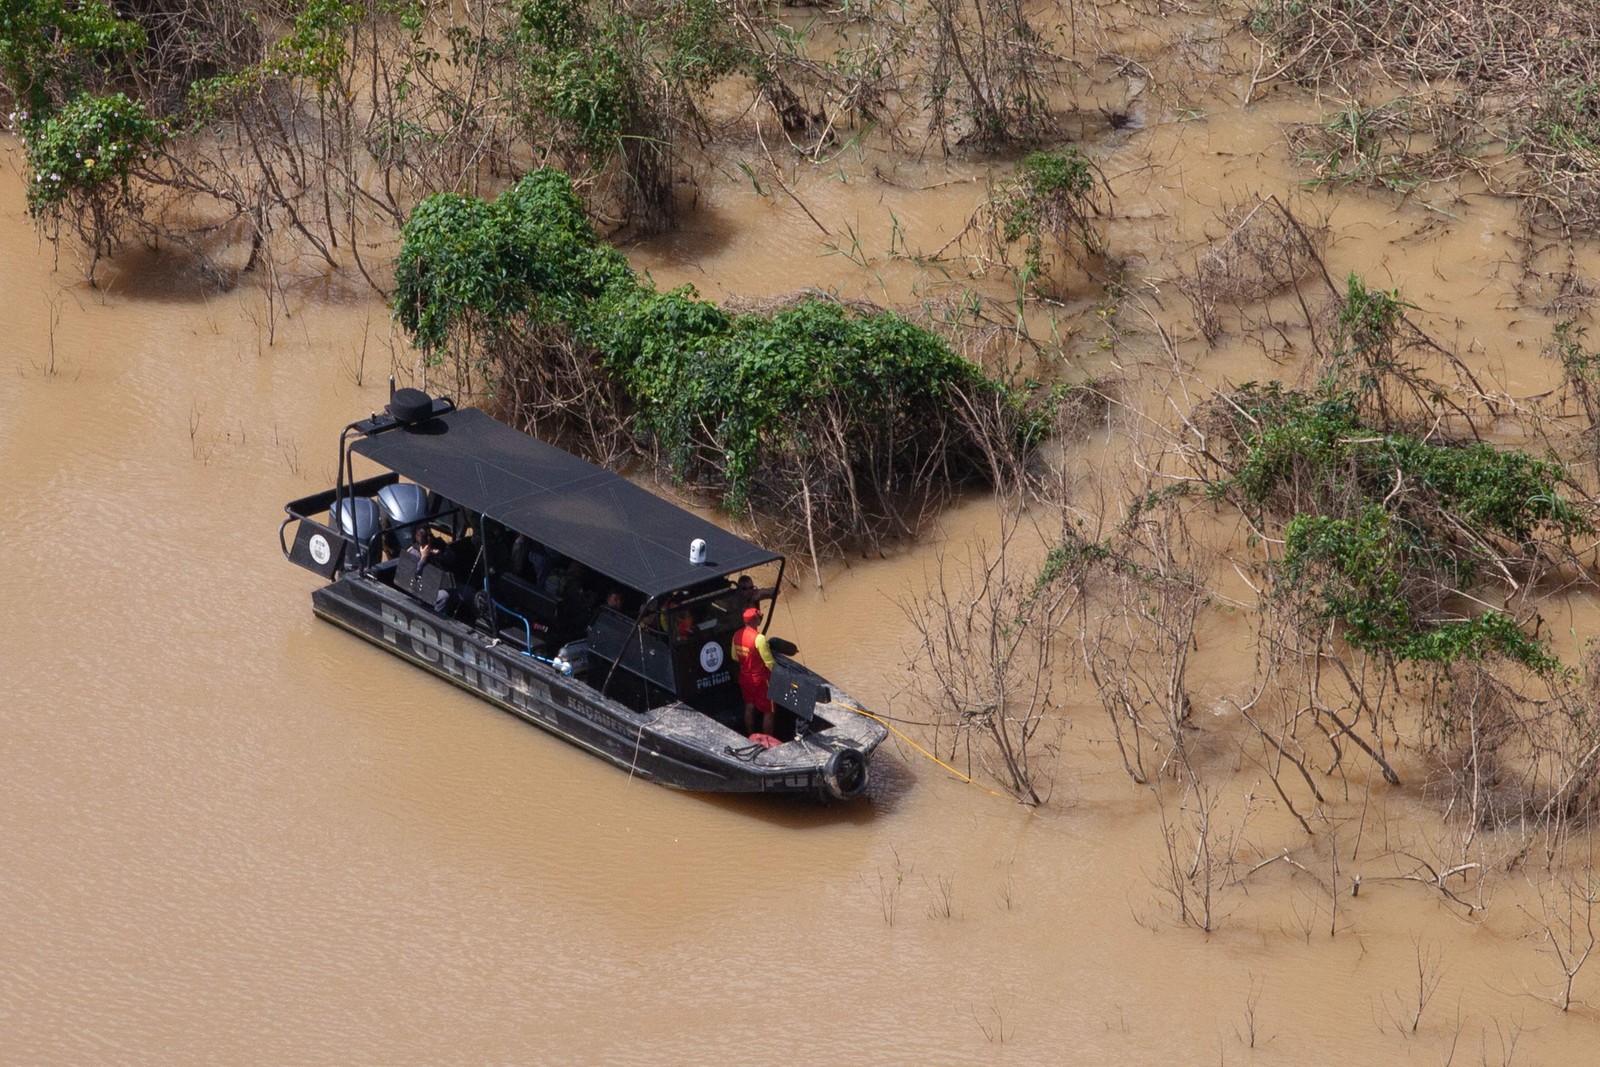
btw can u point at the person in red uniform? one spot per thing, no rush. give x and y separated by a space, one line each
754 657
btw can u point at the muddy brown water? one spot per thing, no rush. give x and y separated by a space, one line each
232 834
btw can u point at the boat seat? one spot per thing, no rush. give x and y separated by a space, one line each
523 597
405 574
436 584
516 635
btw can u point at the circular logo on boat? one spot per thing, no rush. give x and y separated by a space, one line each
319 550
711 657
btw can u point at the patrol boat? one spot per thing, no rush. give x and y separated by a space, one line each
570 597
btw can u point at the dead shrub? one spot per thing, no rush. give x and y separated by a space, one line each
1519 750
985 664
1529 67
1265 251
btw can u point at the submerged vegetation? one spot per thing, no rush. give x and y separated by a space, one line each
1048 202
1522 78
1387 523
860 414
1388 527
325 122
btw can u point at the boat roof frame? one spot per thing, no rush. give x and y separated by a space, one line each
583 511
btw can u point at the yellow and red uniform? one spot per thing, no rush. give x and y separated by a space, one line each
754 657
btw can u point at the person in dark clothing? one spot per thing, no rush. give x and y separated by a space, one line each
750 596
429 551
425 546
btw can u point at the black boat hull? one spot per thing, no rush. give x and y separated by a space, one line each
674 746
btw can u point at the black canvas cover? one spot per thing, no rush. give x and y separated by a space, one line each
582 511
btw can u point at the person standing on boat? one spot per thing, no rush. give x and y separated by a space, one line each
749 595
754 657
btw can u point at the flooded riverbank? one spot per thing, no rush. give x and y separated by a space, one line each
234 834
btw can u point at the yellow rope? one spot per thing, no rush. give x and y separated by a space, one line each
858 709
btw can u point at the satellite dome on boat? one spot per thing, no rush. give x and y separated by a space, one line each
411 406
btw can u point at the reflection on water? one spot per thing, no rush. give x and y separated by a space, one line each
233 834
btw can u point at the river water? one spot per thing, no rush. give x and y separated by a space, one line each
232 834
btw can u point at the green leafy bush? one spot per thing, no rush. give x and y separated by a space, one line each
86 148
757 382
1050 197
614 84
730 400
531 255
1384 528
1580 369
316 47
46 46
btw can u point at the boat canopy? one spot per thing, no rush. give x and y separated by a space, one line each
570 505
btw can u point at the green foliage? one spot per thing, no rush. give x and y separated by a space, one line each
1367 321
47 46
1384 529
208 99
1580 367
1272 18
1319 446
757 382
600 72
552 25
1576 360
576 74
715 392
697 44
1071 554
1361 568
1050 195
1472 639
529 256
1053 175
84 149
1036 419
317 46
1362 146
1386 525
1289 438
1568 122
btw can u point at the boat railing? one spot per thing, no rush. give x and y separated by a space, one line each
527 626
317 503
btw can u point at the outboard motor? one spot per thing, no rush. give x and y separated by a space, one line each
404 506
357 518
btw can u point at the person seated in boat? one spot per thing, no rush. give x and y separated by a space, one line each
425 546
464 559
530 560
754 657
428 549
613 601
575 601
558 576
674 619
